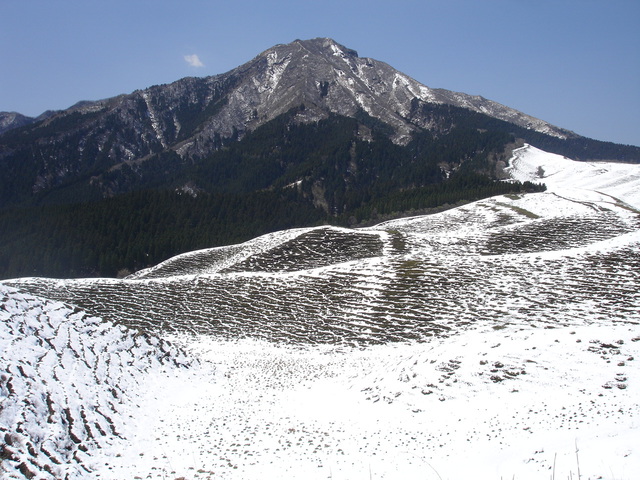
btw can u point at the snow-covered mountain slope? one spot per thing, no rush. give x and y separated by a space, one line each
69 385
482 404
497 339
619 180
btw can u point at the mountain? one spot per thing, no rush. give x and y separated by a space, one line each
495 339
193 116
10 120
303 134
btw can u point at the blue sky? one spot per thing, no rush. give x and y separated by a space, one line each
574 63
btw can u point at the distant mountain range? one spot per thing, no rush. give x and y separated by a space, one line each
308 130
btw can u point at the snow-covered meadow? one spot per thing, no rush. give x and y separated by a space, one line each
500 339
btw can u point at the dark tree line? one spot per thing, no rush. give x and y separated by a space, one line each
137 230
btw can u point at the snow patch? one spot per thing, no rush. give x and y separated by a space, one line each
481 404
274 71
154 120
620 181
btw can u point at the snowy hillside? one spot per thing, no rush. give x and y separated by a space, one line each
497 339
69 385
619 180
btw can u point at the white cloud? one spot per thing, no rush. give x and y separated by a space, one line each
193 60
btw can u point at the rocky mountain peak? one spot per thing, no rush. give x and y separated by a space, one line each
320 73
328 77
326 46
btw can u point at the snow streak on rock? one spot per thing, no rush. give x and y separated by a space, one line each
68 383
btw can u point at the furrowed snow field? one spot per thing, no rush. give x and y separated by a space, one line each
495 340
68 384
